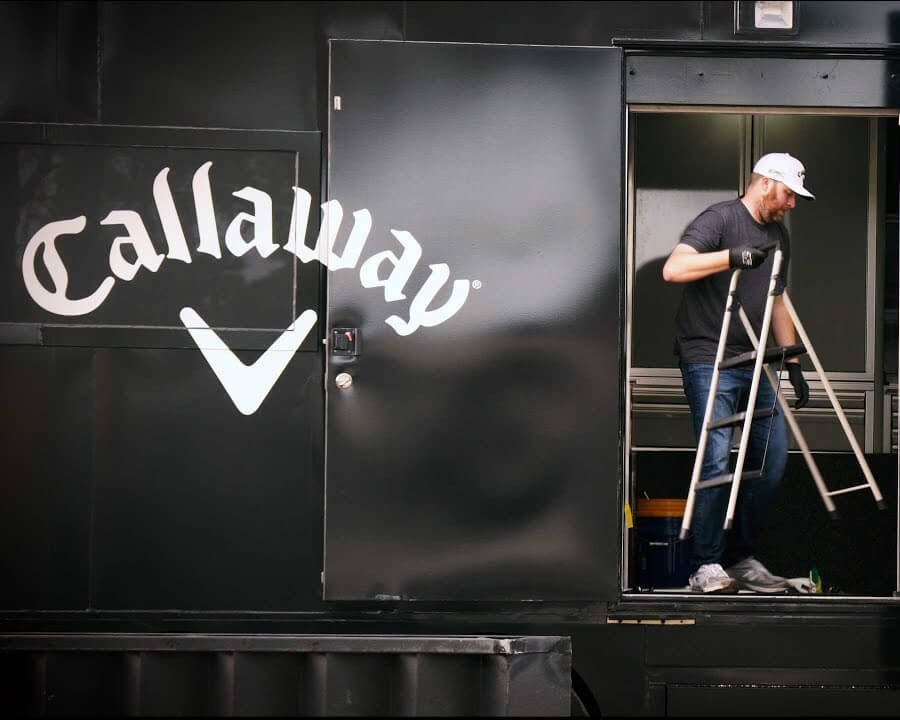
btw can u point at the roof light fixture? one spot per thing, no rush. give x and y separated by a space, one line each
766 17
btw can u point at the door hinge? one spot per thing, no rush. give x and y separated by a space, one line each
337 102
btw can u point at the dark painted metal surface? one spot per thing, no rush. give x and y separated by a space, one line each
478 459
52 181
361 20
238 65
195 505
48 61
28 61
794 82
821 22
372 20
691 700
120 492
158 63
263 65
77 57
45 516
285 675
123 448
551 23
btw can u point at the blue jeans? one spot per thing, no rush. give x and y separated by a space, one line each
754 498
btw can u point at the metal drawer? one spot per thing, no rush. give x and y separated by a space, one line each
660 417
890 419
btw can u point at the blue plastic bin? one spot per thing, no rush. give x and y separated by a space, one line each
664 561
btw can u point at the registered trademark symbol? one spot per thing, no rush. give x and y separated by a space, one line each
476 284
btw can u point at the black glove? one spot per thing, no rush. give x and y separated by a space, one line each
801 389
747 257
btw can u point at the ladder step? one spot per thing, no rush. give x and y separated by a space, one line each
864 486
772 354
732 420
726 479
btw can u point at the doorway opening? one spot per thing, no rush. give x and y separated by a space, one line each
843 281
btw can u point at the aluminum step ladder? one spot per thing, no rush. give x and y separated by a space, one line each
762 361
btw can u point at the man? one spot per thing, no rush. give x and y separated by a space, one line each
727 236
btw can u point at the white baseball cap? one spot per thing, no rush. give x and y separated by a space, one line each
785 169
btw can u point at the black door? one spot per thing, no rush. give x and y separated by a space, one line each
475 289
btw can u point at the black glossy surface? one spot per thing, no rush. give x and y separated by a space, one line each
258 65
683 699
795 82
370 20
317 675
77 90
479 458
234 65
798 82
50 182
28 61
551 23
197 506
819 22
46 440
264 65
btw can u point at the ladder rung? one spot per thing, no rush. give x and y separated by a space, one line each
727 478
864 486
738 419
772 354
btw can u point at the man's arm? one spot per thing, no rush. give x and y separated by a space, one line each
685 264
783 327
785 334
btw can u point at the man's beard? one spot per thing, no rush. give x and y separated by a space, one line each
771 209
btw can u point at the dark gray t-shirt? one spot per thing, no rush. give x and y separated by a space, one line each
699 320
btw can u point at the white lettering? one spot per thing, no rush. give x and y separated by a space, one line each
299 223
262 225
168 216
247 385
332 216
419 314
138 238
56 301
362 224
370 274
403 267
206 215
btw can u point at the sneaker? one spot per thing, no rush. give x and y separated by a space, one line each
712 578
751 574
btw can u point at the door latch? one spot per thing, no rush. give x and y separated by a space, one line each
344 341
